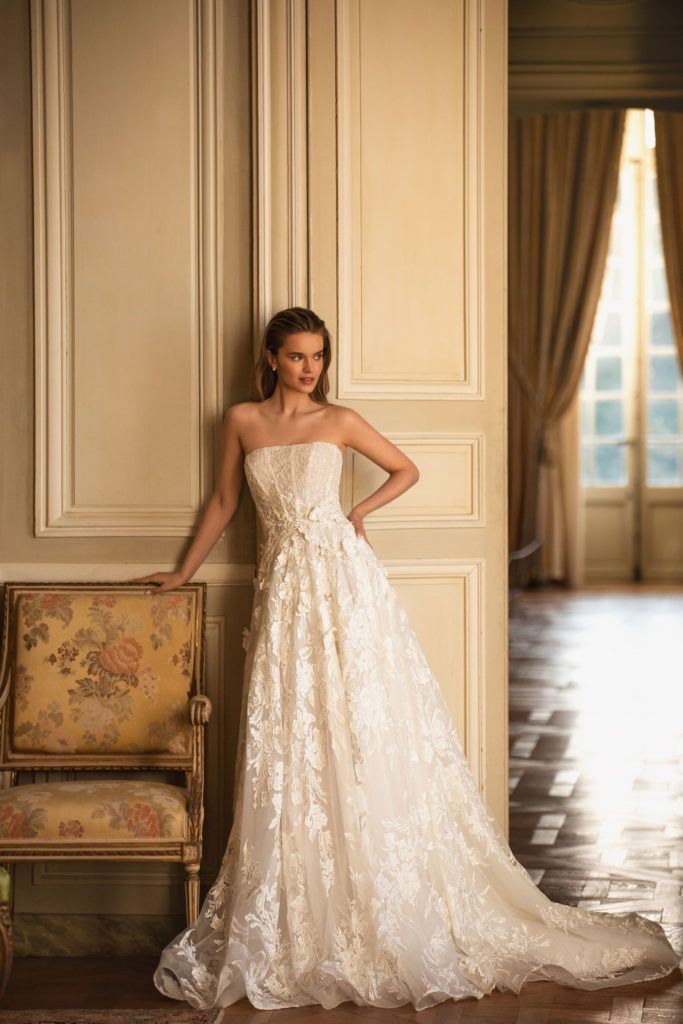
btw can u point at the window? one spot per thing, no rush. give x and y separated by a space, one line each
631 390
664 388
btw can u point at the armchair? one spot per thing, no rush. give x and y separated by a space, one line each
101 677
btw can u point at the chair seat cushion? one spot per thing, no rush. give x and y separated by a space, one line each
113 810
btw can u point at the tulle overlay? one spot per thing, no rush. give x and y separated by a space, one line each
362 863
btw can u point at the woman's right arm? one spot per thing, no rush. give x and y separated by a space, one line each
219 510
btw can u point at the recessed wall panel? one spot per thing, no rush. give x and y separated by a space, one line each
134 200
126 160
411 189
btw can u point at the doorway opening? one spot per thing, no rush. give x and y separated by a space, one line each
631 391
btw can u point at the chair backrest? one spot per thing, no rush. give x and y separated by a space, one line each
99 674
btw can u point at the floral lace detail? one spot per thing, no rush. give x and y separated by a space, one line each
362 863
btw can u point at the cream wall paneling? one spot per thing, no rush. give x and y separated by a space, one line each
128 264
280 157
281 215
408 239
410 203
214 574
455 622
451 490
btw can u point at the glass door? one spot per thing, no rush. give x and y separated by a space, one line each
631 391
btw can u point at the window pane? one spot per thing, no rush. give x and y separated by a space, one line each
611 332
608 373
663 465
586 417
616 227
663 373
654 240
612 281
609 418
660 329
662 416
659 290
586 464
610 464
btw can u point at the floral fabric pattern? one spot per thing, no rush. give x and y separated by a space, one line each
105 673
111 810
362 863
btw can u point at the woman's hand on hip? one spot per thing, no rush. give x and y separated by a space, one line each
358 526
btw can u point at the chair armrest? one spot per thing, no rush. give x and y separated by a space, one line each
200 712
200 709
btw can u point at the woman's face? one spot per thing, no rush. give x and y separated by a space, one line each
299 361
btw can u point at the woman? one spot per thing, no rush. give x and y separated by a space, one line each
362 863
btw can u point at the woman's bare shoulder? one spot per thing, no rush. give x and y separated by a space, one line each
340 412
343 416
239 419
241 412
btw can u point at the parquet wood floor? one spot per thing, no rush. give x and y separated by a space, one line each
596 811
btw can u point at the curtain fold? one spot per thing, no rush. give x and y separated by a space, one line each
563 177
669 157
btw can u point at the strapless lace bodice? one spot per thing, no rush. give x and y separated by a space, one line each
295 488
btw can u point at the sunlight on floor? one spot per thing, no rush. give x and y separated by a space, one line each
596 747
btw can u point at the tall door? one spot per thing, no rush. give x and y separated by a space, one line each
632 391
380 130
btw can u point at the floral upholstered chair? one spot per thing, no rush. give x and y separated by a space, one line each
103 677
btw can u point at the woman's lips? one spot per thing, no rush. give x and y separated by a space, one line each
307 380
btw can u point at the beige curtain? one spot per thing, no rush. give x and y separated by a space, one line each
669 155
563 176
561 505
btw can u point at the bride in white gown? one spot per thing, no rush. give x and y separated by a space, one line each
362 863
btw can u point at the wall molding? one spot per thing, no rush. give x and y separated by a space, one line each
214 574
593 82
56 512
261 162
562 56
472 572
352 382
471 443
280 158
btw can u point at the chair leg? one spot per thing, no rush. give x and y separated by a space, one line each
10 866
6 914
191 893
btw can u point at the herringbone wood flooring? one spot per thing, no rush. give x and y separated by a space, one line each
596 791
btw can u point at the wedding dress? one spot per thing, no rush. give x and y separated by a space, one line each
362 863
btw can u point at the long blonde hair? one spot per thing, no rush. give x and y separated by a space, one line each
295 320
